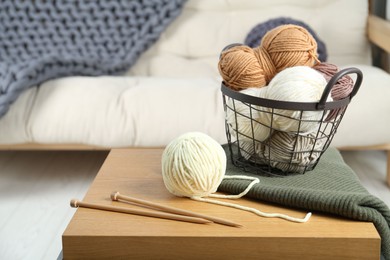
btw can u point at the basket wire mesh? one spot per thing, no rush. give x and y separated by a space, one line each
281 152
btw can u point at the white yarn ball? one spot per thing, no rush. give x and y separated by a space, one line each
193 165
245 117
297 84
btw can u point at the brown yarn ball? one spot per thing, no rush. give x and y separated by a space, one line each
340 90
285 46
240 68
290 45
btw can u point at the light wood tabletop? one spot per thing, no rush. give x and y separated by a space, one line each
137 173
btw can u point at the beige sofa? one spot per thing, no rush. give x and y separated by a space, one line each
175 86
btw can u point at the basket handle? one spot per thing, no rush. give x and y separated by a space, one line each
333 81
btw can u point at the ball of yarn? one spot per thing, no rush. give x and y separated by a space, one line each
243 118
241 69
290 45
340 90
244 123
193 165
285 46
343 86
290 152
296 84
255 36
250 149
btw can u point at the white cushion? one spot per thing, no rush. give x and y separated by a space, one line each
125 111
14 125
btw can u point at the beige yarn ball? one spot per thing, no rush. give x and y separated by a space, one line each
292 153
193 165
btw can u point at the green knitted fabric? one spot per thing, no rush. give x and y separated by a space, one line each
332 187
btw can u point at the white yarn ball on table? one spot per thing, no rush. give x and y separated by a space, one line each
296 84
193 165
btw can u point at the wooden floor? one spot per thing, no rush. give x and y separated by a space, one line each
36 187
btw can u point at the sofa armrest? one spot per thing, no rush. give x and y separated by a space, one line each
378 30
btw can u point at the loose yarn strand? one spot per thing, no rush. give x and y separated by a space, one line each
254 181
255 211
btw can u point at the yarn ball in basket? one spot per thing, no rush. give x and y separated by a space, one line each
285 46
244 125
291 152
255 36
296 84
243 118
193 165
340 90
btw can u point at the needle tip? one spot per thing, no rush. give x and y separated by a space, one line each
74 203
114 195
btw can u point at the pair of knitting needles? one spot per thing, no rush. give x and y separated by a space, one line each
166 212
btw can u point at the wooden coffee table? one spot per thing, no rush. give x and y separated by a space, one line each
95 234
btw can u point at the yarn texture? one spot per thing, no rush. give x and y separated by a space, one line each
194 165
297 84
340 90
285 46
42 40
255 36
244 119
343 86
291 152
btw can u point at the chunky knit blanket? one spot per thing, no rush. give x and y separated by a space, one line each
332 187
42 40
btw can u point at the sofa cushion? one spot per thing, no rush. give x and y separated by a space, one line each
151 111
125 111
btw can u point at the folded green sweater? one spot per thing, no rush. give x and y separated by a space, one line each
332 187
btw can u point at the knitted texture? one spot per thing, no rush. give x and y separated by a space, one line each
332 187
255 36
42 40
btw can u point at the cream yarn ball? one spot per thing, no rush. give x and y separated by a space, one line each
193 165
296 84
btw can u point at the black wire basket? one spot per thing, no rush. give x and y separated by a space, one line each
276 152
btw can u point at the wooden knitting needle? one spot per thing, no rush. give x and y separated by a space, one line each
76 203
117 196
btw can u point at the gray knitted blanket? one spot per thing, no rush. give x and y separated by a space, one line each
42 40
332 187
